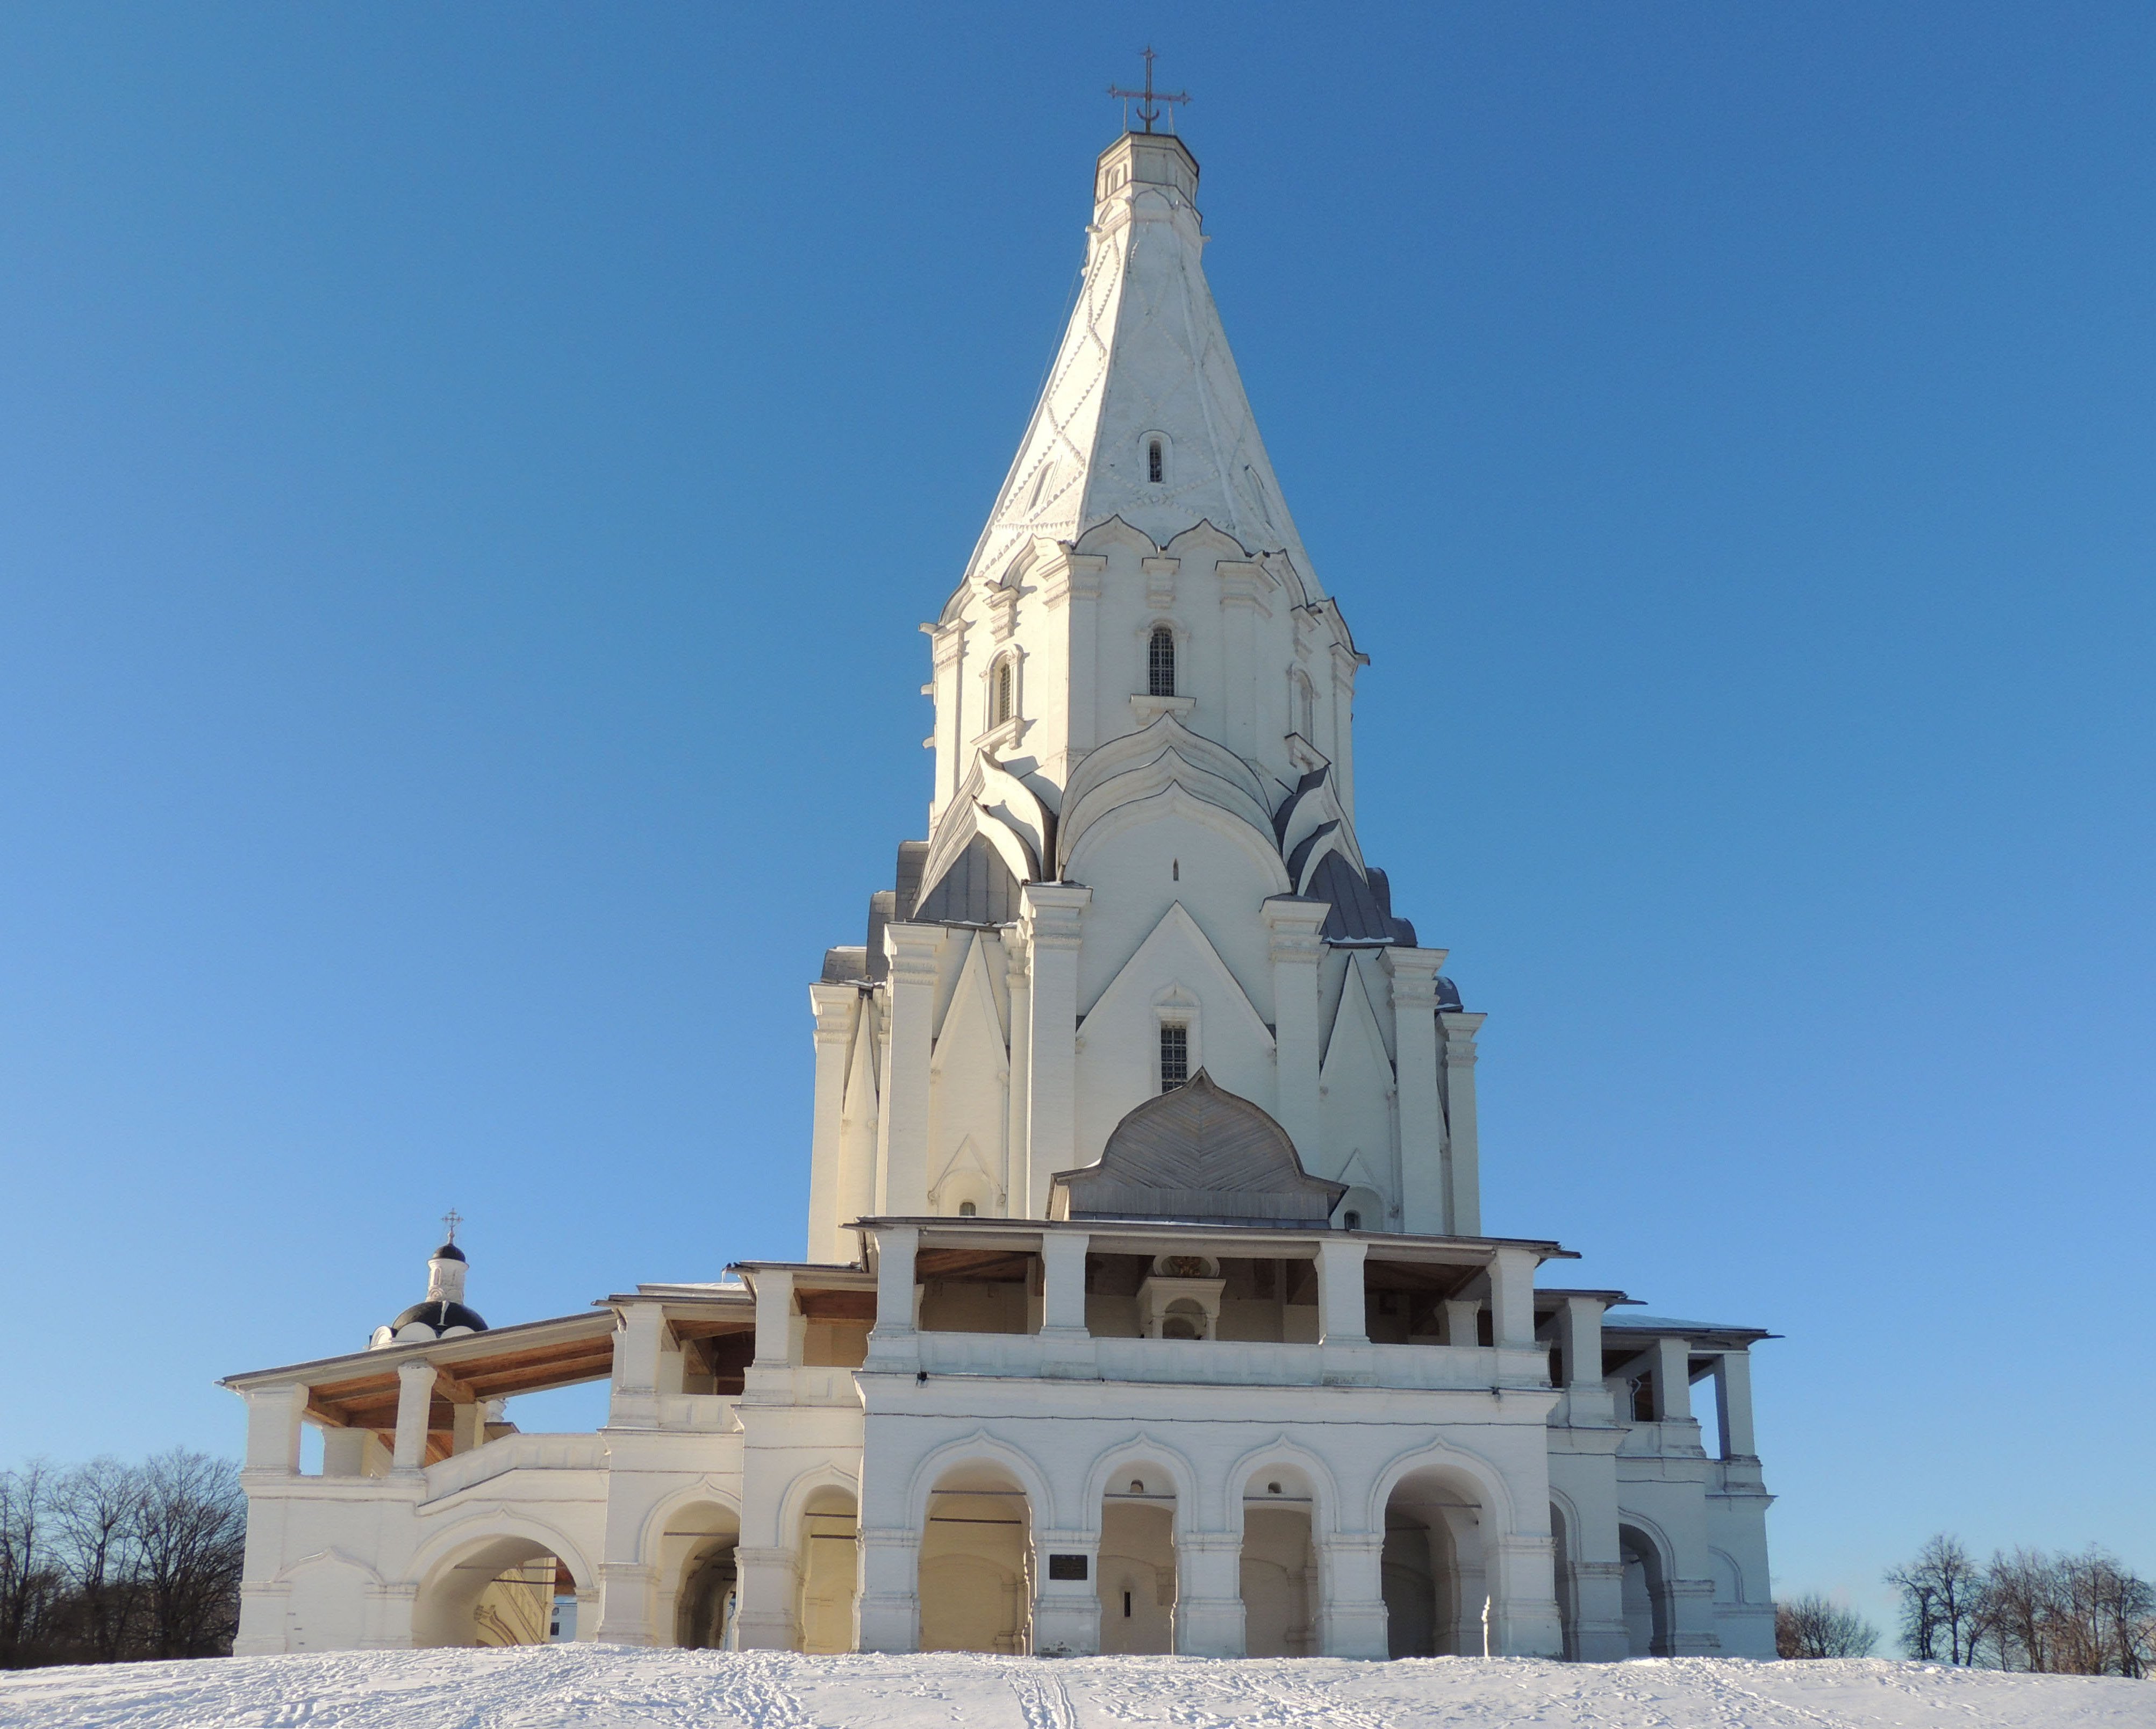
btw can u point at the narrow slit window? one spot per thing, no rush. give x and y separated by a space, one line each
1174 1057
1155 467
999 701
1160 662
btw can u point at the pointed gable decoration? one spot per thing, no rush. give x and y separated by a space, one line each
1198 1154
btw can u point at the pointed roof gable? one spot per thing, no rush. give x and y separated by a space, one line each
1200 1154
1144 355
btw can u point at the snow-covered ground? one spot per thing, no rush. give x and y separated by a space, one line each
612 1687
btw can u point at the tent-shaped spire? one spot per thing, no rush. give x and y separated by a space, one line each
1143 415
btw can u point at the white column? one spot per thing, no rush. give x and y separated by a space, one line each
913 949
1512 1299
639 1336
275 1417
1673 1381
1063 1281
1020 1200
1340 1315
1732 1384
1579 1336
1463 1158
467 1426
1241 586
1423 1201
887 1614
1296 950
891 1341
774 1318
1524 1590
1208 1597
835 1007
344 1452
415 1400
1463 1322
1050 922
1066 1612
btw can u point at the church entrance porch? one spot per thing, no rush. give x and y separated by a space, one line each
1138 1565
976 1589
501 1591
699 1570
1435 1578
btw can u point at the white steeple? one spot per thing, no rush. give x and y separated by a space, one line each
1144 368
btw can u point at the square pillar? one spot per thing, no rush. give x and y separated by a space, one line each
1066 1612
1463 1158
1579 1336
774 1318
1673 1381
1732 1383
912 950
835 1007
275 1416
1512 1299
892 1342
1295 950
344 1452
887 1612
467 1426
638 1339
1341 1315
1049 921
1463 1320
1209 1599
1351 1616
1522 1589
1063 1283
1423 1206
769 1582
415 1400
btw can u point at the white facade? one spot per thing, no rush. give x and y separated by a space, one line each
1146 1304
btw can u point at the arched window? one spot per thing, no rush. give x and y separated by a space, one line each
967 1210
1174 1056
1002 694
1351 1220
1160 662
1156 463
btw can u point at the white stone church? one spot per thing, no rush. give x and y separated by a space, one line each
1146 1305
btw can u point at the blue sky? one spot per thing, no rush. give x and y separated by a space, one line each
469 478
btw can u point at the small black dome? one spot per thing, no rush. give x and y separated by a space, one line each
447 1251
1448 997
440 1316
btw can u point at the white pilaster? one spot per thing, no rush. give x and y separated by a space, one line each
1050 922
891 1341
1463 1158
774 1318
1209 1599
913 949
836 1007
1353 1621
1424 1207
1293 924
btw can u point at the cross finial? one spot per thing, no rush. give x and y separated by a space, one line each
1149 98
450 1221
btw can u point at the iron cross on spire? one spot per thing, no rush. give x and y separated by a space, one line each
450 1221
1149 98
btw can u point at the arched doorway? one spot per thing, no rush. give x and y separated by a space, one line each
1435 1580
500 1591
976 1589
1278 1568
1137 1569
830 1571
697 1571
1646 1596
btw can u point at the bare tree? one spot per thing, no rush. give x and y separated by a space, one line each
191 1529
1813 1626
29 1579
98 1509
1941 1593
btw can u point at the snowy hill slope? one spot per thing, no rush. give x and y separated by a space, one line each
612 1687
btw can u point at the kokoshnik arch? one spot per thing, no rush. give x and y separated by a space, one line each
1146 1305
